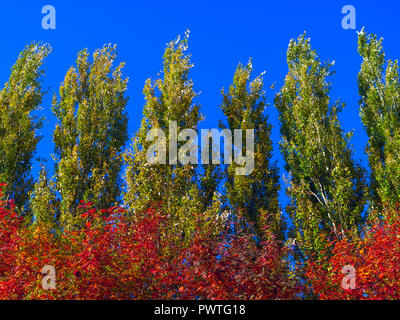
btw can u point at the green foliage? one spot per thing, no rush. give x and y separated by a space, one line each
326 187
43 201
91 132
256 193
177 187
21 96
379 89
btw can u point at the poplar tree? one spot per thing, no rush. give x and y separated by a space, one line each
43 201
379 89
257 193
326 186
91 132
174 186
20 97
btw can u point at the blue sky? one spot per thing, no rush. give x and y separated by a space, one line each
223 33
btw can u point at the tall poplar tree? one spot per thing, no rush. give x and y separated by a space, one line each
379 88
170 101
19 98
91 132
326 186
256 193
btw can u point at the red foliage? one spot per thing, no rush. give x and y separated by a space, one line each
112 258
375 257
242 270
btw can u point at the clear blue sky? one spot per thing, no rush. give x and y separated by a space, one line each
223 33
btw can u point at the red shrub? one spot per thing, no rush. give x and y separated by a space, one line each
375 257
111 258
